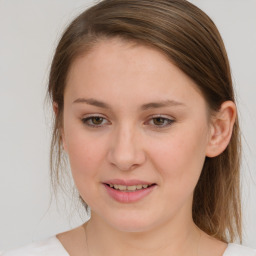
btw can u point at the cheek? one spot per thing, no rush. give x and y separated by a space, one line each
85 156
180 160
85 159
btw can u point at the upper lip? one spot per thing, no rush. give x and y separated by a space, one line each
128 182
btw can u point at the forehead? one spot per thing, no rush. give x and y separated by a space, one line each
115 67
117 53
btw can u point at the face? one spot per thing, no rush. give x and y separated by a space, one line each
132 118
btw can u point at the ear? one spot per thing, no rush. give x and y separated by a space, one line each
221 129
55 108
62 137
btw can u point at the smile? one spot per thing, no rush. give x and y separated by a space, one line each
129 194
129 188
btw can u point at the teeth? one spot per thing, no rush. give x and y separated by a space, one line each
139 186
131 188
121 187
128 188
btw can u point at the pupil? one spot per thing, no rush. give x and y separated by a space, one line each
158 121
97 120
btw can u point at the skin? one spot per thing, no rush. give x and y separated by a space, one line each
165 145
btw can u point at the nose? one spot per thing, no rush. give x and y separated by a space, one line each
126 150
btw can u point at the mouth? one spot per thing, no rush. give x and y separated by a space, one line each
129 191
132 188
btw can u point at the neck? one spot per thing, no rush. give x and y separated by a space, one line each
174 238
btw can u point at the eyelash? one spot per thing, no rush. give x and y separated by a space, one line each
86 119
165 119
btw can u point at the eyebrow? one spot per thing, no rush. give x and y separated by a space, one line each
92 102
161 104
151 105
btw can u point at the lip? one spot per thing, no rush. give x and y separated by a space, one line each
131 196
127 182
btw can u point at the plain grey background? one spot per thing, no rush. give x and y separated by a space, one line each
29 32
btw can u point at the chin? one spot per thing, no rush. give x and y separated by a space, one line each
134 225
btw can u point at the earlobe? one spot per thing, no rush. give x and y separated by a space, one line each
55 108
221 129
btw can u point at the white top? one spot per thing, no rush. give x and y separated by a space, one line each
53 247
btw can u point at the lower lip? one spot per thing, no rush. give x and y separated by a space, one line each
128 197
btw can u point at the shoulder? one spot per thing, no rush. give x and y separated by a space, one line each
47 247
239 250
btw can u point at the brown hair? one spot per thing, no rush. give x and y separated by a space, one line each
192 42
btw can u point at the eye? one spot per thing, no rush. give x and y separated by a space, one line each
94 121
160 121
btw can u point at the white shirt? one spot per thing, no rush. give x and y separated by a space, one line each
53 247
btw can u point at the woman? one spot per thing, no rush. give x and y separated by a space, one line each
145 110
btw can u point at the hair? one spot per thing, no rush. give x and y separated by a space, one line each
190 39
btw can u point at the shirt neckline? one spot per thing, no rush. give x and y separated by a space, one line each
62 248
